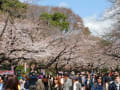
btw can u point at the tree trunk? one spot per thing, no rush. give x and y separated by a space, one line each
6 23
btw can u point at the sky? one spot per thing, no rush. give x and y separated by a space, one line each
91 12
82 7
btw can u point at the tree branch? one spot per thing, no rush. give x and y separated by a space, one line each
6 23
57 57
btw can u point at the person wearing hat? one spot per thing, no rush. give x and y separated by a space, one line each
76 85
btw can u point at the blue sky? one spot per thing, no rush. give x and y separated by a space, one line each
91 12
82 7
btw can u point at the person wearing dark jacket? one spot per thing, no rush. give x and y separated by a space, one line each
116 84
26 85
32 80
99 84
93 82
88 83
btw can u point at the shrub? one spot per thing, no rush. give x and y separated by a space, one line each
56 19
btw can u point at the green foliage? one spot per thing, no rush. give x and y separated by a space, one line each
56 19
12 6
65 25
105 70
45 16
5 66
21 69
50 71
59 17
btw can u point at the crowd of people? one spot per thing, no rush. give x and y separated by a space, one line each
62 81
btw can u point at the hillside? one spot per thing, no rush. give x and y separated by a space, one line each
32 39
34 12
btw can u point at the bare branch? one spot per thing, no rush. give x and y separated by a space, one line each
6 23
56 58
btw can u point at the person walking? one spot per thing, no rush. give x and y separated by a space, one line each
116 84
76 85
56 84
88 83
40 85
1 83
12 83
67 83
99 84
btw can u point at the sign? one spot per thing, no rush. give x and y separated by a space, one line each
6 72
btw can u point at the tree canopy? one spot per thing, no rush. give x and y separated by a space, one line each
12 6
56 19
